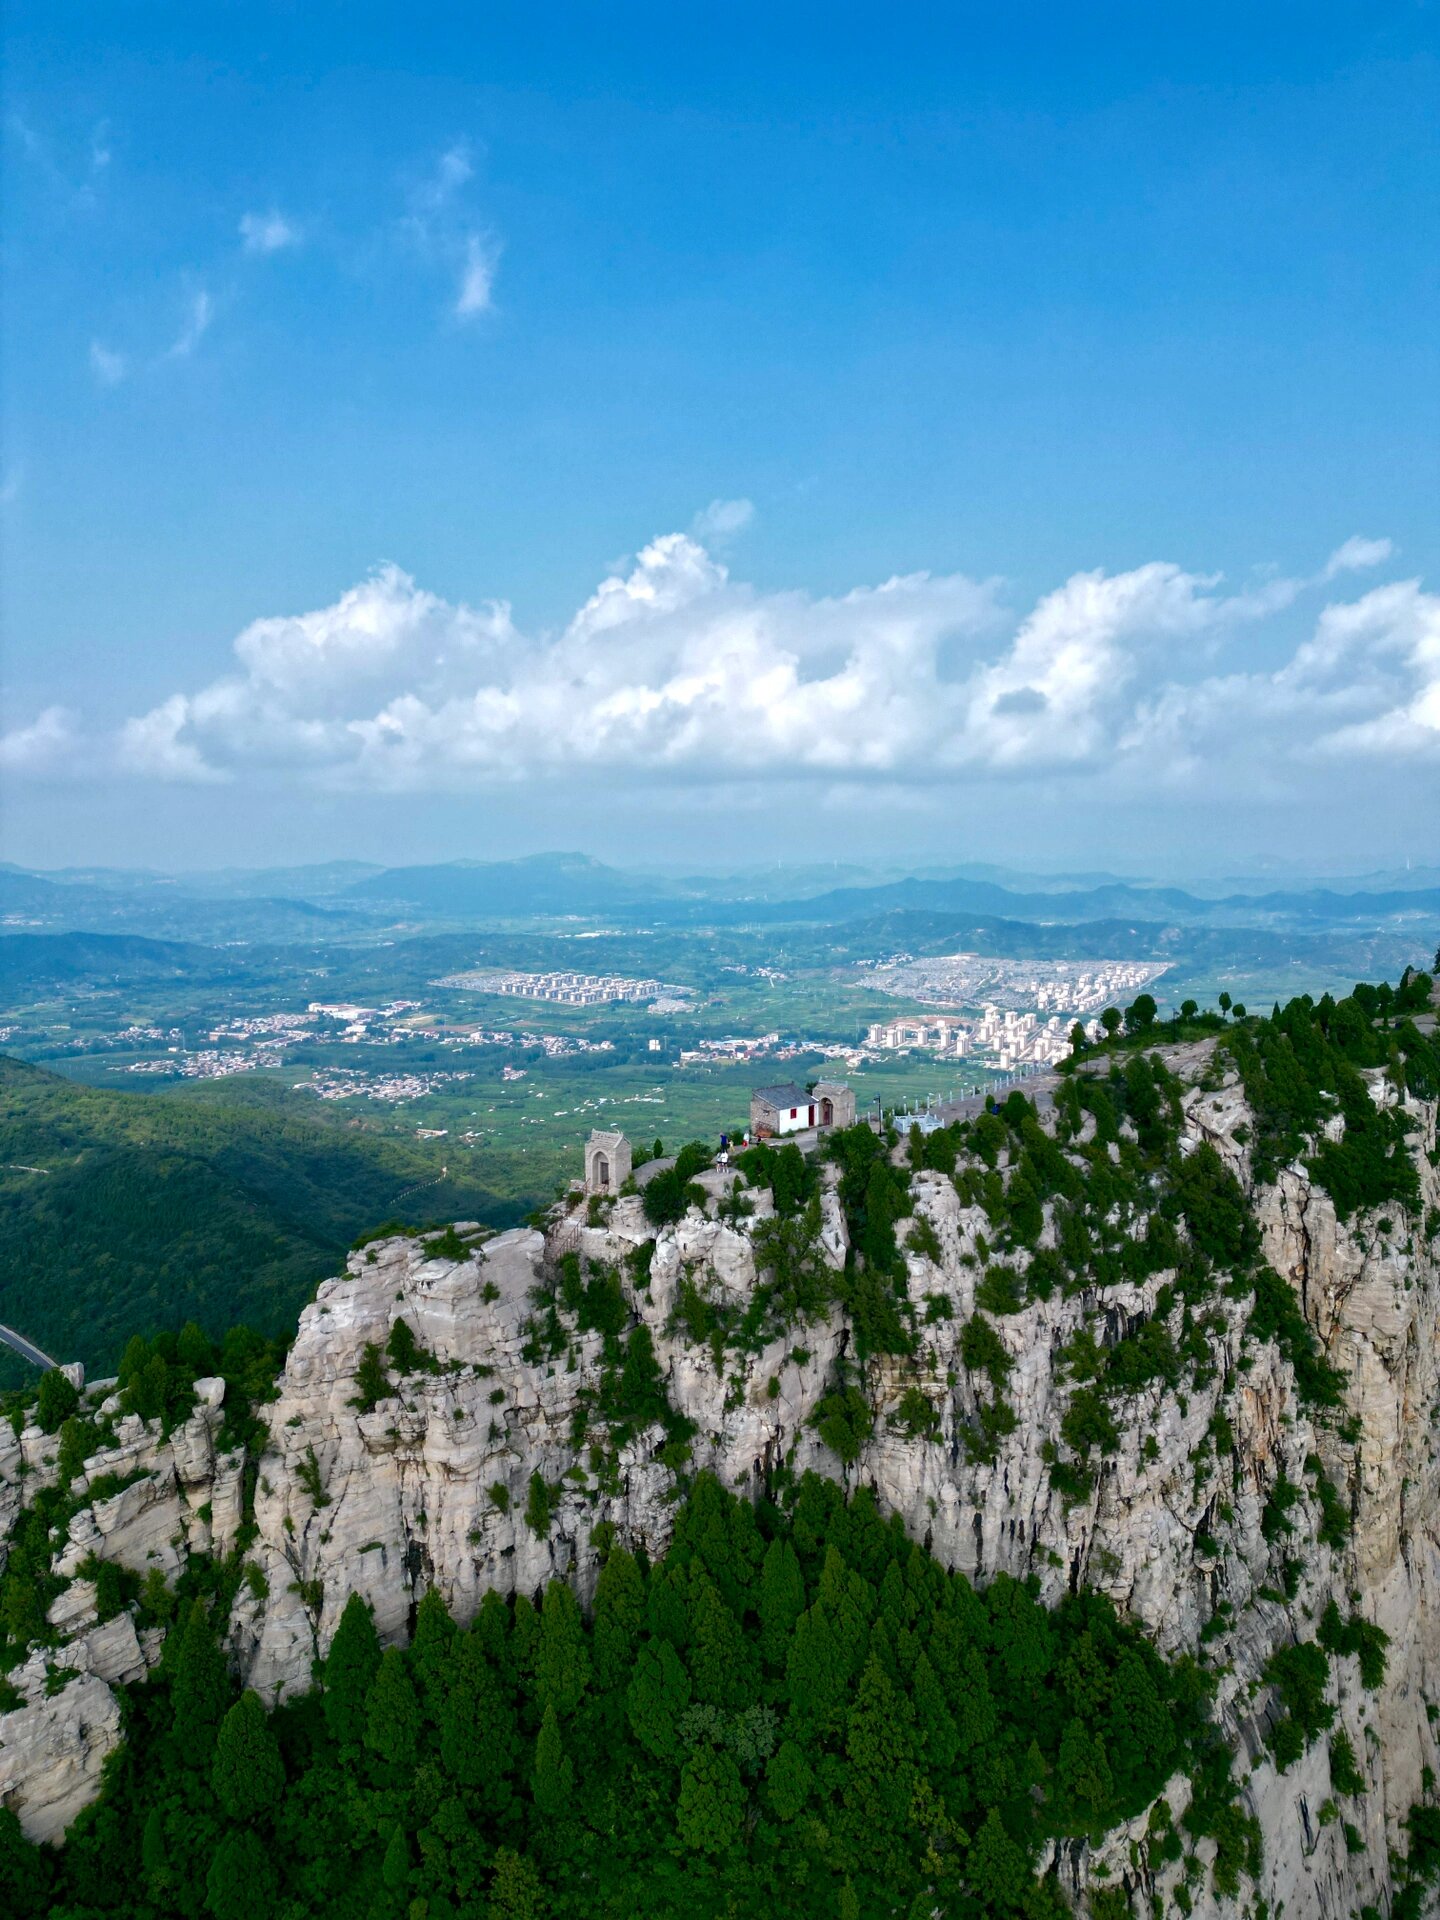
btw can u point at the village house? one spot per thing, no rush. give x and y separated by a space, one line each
791 1108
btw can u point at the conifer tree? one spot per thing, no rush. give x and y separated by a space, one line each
619 1618
997 1869
719 1657
240 1884
395 1869
248 1775
658 1693
562 1664
392 1720
782 1601
429 1647
554 1775
350 1668
477 1726
199 1688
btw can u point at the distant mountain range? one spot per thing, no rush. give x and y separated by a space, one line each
341 899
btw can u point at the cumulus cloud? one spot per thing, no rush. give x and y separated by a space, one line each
268 232
674 671
48 745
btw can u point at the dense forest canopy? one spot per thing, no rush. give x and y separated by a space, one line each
794 1712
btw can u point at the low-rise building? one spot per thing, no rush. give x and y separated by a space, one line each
788 1108
791 1108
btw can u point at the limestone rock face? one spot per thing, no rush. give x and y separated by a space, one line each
52 1750
428 1483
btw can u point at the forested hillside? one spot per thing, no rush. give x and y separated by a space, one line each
798 1714
122 1212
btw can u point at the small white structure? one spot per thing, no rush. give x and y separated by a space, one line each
607 1162
784 1109
795 1109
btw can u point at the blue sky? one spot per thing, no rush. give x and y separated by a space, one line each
1098 330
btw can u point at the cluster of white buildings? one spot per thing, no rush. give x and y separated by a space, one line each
1004 1039
210 1063
555 1046
349 1083
1062 987
567 989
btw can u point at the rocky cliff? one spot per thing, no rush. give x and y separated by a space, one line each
1223 1506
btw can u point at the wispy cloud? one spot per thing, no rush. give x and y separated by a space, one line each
268 232
477 277
1356 554
199 313
453 170
73 180
108 366
722 520
440 229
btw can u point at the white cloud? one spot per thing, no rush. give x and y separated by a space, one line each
48 745
673 671
108 366
722 520
1355 554
477 277
268 232
451 172
199 313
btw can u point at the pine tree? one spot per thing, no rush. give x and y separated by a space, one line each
554 1777
241 1882
997 1868
658 1693
248 1775
720 1659
562 1666
880 1744
395 1868
199 1688
154 1859
392 1720
619 1618
934 1720
782 1601
350 1668
429 1648
817 1673
477 1725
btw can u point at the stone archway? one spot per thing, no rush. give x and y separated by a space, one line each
827 1112
602 1171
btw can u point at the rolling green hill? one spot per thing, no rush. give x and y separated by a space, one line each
218 1204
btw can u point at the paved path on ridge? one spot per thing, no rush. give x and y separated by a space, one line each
26 1349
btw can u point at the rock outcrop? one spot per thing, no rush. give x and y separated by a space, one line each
432 1481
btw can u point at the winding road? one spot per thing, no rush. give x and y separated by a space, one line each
26 1349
